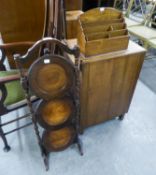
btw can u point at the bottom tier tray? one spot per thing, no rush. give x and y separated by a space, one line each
58 140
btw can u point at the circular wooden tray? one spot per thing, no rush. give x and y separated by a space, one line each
51 76
58 140
56 113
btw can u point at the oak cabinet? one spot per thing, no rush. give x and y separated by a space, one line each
108 84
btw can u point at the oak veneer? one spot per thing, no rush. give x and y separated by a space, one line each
59 139
21 21
103 29
55 113
108 83
25 21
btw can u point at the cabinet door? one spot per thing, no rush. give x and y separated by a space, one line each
108 86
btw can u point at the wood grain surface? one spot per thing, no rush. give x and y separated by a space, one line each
55 113
21 21
108 84
58 140
51 76
72 23
102 30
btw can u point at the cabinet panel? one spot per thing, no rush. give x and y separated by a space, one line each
108 84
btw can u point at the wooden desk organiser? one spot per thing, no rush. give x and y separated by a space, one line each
102 30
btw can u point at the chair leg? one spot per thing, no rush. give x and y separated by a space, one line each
6 146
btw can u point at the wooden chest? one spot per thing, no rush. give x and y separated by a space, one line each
108 84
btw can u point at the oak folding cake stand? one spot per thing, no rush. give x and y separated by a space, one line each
109 66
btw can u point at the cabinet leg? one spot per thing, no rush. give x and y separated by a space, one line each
81 131
121 117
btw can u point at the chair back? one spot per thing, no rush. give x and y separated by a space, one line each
138 10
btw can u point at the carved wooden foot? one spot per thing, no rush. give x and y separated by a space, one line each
45 156
79 144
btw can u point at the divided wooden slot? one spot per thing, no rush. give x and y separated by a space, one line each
102 22
108 34
102 27
100 46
